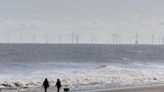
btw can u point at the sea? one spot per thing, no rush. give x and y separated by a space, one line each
81 66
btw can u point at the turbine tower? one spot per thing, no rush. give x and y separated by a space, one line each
152 38
119 40
21 39
163 39
136 38
72 37
59 39
92 39
115 38
159 39
130 40
95 39
46 38
77 38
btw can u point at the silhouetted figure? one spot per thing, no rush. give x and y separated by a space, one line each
45 84
58 85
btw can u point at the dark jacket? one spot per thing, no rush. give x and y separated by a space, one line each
58 83
45 83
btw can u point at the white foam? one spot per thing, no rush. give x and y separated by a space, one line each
105 74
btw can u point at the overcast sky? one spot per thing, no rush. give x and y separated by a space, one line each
98 19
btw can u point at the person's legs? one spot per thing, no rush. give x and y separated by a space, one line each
58 89
45 89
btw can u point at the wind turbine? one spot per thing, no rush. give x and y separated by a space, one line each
59 39
136 37
163 39
92 39
130 39
46 38
114 38
152 38
21 39
95 39
77 38
117 38
72 37
159 39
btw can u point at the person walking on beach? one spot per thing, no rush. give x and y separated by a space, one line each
58 85
45 84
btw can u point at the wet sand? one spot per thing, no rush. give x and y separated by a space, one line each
152 88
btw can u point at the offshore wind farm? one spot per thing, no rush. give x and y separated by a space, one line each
74 38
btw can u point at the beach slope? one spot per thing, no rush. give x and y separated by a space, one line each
154 88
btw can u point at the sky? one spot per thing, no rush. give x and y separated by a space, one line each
82 21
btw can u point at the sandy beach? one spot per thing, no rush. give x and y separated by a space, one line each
150 88
155 88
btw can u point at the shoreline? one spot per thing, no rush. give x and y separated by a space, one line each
145 88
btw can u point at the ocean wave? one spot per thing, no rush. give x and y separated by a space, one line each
102 75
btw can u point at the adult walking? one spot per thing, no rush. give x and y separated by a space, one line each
45 84
58 85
